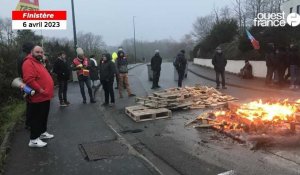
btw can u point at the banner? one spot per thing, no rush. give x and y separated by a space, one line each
27 5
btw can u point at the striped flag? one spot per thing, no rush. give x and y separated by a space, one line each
254 42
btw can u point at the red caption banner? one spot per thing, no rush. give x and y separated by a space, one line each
39 15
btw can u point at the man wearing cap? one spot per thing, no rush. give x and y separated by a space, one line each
156 67
122 70
219 63
81 66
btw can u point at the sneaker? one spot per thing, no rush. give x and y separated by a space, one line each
46 135
84 101
38 143
67 102
131 95
111 104
153 87
63 104
218 87
292 87
158 86
224 87
93 101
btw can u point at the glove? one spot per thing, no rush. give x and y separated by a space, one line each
79 66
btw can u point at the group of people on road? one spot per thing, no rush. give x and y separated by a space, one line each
32 69
282 63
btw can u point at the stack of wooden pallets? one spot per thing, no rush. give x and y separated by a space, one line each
189 97
159 104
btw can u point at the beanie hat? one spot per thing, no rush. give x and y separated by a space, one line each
79 51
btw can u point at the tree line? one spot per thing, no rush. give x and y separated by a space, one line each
226 27
11 48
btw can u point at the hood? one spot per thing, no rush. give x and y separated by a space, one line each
119 53
108 56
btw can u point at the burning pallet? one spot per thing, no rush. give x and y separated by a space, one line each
142 113
197 97
254 121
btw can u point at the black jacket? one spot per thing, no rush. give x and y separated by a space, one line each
156 62
180 62
294 58
219 62
107 69
61 69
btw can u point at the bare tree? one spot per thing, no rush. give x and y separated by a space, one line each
202 27
90 43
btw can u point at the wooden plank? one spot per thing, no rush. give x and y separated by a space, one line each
142 113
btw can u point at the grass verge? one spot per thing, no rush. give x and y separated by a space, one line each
10 115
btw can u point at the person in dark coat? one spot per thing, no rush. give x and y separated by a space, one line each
180 65
94 75
122 71
26 50
270 57
61 69
246 71
281 56
219 62
294 67
107 72
156 67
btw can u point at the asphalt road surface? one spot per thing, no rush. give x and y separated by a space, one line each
162 146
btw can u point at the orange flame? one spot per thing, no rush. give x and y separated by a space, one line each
269 111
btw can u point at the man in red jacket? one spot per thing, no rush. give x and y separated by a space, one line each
37 77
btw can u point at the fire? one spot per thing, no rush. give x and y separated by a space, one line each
270 111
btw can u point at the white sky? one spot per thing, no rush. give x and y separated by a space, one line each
113 19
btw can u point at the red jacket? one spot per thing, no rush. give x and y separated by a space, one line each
36 76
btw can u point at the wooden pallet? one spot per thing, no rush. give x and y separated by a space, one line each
142 113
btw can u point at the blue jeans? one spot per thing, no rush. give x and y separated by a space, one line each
294 74
87 82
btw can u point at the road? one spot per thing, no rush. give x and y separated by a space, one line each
163 146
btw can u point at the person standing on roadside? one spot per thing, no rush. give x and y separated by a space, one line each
94 70
156 67
26 50
81 65
180 65
294 67
37 77
62 71
122 71
107 72
219 62
270 57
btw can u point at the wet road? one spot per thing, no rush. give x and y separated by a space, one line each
191 151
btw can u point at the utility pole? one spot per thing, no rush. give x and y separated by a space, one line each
134 40
74 26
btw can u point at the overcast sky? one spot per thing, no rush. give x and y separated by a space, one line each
113 19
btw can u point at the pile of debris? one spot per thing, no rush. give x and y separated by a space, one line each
197 97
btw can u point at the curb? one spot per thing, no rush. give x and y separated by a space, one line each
241 86
4 148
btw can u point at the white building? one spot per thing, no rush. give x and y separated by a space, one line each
291 6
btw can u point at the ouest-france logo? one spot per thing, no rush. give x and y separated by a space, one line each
276 20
